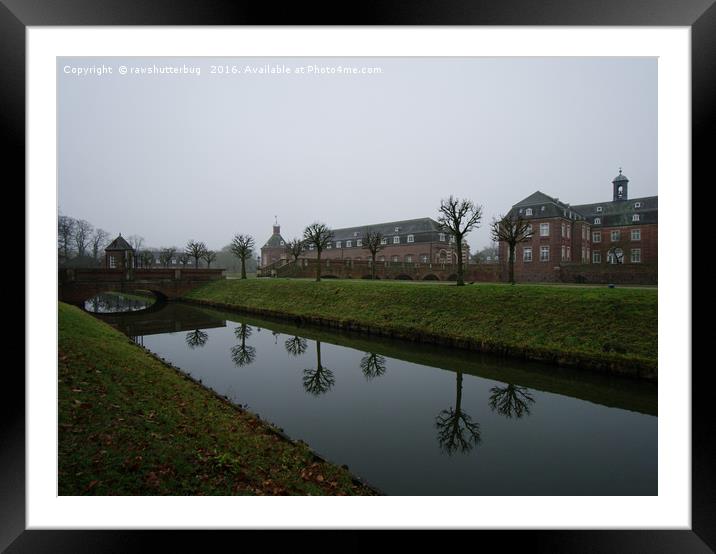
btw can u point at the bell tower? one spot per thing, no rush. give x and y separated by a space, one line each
620 183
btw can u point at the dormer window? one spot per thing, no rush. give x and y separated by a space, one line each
597 220
637 205
283 243
411 238
397 229
528 211
338 244
355 234
542 208
635 217
396 240
359 242
599 209
383 240
348 244
442 237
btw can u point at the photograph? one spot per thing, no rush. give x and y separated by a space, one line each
340 275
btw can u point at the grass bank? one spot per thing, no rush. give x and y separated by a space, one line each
131 425
613 330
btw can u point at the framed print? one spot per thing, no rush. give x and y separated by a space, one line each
116 107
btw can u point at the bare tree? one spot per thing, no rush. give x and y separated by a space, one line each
65 231
146 258
196 338
243 248
166 255
296 345
320 379
295 248
373 365
456 430
209 256
98 241
183 259
512 231
82 236
319 236
242 354
374 242
136 242
459 217
195 249
511 401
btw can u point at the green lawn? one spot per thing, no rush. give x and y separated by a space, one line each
130 425
597 327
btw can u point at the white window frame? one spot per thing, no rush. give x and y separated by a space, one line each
637 205
441 237
359 242
636 234
636 251
528 211
597 221
348 243
396 239
596 236
569 253
310 246
617 234
411 238
338 243
544 229
599 209
542 251
564 253
596 257
635 217
384 240
112 262
527 254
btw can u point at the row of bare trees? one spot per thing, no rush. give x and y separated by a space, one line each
79 241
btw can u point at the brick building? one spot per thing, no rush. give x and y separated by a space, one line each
620 231
420 240
119 254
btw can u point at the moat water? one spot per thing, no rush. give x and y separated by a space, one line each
415 419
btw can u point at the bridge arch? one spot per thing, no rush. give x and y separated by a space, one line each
431 277
403 277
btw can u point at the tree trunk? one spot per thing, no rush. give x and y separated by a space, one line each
512 264
460 281
318 267
372 268
243 268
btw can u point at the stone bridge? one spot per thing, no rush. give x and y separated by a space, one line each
361 269
75 285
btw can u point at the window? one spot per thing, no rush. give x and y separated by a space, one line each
338 244
636 234
452 238
584 254
424 258
544 254
527 254
636 255
564 230
397 229
359 243
442 237
395 258
112 262
396 240
599 209
597 220
597 236
310 247
174 261
355 233
569 232
411 238
381 258
635 217
528 211
383 240
329 245
409 259
283 243
569 253
564 253
584 233
596 257
616 235
544 229
637 205
348 243
542 208
529 228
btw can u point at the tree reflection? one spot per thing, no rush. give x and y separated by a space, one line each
372 365
241 354
196 338
296 345
511 401
456 430
319 380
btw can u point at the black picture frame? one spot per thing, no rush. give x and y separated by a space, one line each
699 15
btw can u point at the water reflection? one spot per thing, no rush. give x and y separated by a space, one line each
242 354
372 365
296 345
318 380
196 338
456 430
422 427
114 302
511 401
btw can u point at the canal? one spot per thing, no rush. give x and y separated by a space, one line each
415 419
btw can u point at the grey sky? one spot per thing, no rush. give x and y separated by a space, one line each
179 157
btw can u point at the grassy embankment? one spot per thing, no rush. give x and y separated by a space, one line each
130 425
600 328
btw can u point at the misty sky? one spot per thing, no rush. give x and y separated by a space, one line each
180 156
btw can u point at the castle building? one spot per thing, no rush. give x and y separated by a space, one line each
421 240
119 254
620 231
